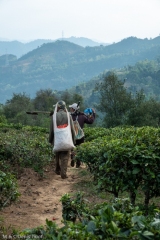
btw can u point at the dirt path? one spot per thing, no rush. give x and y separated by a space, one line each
40 199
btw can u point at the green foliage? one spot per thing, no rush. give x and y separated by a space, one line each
71 97
73 207
143 112
115 101
2 116
14 111
126 159
120 159
8 189
94 133
44 100
117 220
15 108
115 104
120 107
24 147
3 119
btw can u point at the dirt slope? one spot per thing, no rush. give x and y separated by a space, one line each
40 199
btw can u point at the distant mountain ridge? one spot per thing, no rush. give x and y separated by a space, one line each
19 49
84 42
60 65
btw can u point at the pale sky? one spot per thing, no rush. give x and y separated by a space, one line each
103 20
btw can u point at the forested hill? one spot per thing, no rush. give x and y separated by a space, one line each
51 53
61 65
144 75
18 48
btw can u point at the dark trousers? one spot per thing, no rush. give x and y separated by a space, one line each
78 162
79 141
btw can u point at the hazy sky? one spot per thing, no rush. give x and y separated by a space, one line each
103 20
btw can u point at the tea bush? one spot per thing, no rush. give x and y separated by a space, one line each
124 159
8 189
24 147
111 221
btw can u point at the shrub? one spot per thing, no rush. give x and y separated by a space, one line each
24 147
117 220
126 159
8 189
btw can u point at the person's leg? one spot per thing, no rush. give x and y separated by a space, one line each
58 169
72 158
78 142
63 163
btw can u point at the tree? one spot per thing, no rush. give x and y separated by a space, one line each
66 97
76 98
2 117
19 103
144 112
70 98
115 101
44 100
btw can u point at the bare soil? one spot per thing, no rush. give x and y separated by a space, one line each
40 199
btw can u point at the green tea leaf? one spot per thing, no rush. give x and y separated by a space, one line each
136 170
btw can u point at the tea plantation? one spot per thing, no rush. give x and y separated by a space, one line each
122 159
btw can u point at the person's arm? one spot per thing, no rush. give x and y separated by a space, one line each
90 119
51 132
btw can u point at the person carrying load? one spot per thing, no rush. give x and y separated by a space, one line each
62 137
79 119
